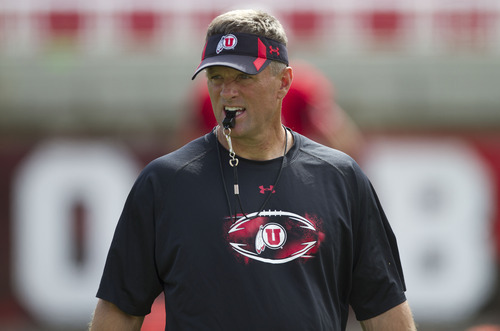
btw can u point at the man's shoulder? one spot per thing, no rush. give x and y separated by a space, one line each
313 149
191 153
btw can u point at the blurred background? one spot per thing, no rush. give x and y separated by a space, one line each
91 91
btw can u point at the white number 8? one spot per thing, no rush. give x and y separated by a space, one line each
438 198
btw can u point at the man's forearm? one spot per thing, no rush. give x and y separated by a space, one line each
398 318
108 317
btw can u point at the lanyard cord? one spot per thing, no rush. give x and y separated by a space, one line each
233 162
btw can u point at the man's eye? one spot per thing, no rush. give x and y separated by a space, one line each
215 78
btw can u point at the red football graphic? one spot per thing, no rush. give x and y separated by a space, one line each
274 237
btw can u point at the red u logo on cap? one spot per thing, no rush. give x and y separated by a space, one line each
228 41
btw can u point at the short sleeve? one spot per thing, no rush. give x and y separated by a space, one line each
377 283
130 279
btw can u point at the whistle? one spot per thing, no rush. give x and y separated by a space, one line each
229 120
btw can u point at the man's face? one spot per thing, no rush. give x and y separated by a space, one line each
255 98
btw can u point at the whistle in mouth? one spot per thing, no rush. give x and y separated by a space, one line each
229 120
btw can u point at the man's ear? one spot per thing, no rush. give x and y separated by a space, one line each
286 82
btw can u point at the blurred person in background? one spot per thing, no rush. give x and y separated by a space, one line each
301 237
484 327
309 108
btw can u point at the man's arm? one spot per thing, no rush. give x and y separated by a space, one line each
398 318
108 317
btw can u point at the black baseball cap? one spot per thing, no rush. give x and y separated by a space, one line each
245 52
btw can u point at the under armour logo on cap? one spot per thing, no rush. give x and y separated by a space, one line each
277 50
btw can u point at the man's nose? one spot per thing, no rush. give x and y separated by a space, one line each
229 90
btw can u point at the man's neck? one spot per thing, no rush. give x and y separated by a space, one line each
260 148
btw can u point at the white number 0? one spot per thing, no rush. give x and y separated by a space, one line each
55 177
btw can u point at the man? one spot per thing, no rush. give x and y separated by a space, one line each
253 226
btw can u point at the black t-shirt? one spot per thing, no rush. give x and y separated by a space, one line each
321 243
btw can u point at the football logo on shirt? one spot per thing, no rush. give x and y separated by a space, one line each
271 235
274 237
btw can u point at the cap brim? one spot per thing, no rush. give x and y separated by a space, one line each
242 63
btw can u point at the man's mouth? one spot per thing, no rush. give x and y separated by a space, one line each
236 110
